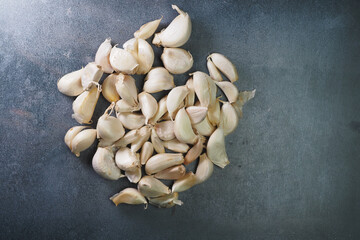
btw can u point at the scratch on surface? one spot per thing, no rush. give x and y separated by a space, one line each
68 12
67 54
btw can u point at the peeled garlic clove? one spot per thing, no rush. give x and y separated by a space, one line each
195 151
82 141
213 113
123 61
84 105
204 128
129 137
229 118
70 84
225 66
148 105
175 97
196 114
109 90
162 161
230 90
176 146
157 143
148 29
243 97
204 169
182 128
165 130
144 134
160 112
126 160
151 187
103 163
184 183
126 88
203 88
177 60
132 120
71 133
213 71
102 56
143 53
190 98
177 33
133 176
109 128
129 196
216 148
147 151
90 75
166 201
171 173
157 80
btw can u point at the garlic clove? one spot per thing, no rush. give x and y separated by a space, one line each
243 98
203 88
82 141
225 66
109 128
177 33
147 151
190 98
143 53
157 143
204 128
123 61
216 148
70 84
162 161
123 106
229 118
182 128
102 56
90 75
176 146
129 196
129 138
166 201
196 113
84 105
148 29
230 90
175 97
213 113
213 71
148 105
71 133
126 159
171 173
165 130
177 60
109 90
133 176
157 80
204 169
126 88
144 134
184 183
160 112
195 151
151 187
132 120
103 163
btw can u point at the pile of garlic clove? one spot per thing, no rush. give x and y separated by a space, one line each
137 133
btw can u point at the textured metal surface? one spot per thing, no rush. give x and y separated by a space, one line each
294 171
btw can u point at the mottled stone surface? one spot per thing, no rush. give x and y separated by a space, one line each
295 157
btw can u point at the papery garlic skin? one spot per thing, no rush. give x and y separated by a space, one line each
133 176
103 163
148 29
123 106
166 201
182 128
174 99
213 71
143 53
157 143
70 84
204 128
204 169
129 196
126 160
144 135
171 173
229 118
195 151
176 146
225 66
177 60
91 74
109 89
126 88
148 105
71 133
214 113
196 113
82 141
102 56
243 98
109 128
165 130
84 105
123 61
157 80
216 148
162 161
230 90
184 183
190 98
202 87
151 187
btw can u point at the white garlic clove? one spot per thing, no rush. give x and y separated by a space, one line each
129 196
129 138
82 141
109 128
171 173
190 98
123 61
182 128
148 29
204 128
147 151
70 84
195 151
123 106
160 112
126 160
132 120
230 90
243 98
91 74
166 201
103 163
213 113
162 161
177 60
216 148
151 187
196 113
126 88
143 53
184 183
102 56
165 130
108 88
177 33
204 169
144 135
148 105
133 176
157 143
84 105
213 71
157 80
204 89
229 118
175 98
176 146
225 66
71 133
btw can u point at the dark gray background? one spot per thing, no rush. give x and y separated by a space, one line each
294 171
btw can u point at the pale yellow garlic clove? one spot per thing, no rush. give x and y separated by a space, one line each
214 113
176 146
132 120
177 33
203 86
147 151
175 97
229 118
157 80
162 161
129 196
243 98
213 71
129 138
204 128
102 56
230 90
143 53
160 112
123 106
225 66
109 89
84 105
70 84
91 75
82 141
71 133
195 151
182 128
126 88
109 128
177 60
166 201
216 148
204 169
151 187
148 105
184 183
133 176
165 130
196 113
123 61
148 29
157 143
126 159
144 135
171 173
190 98
103 163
